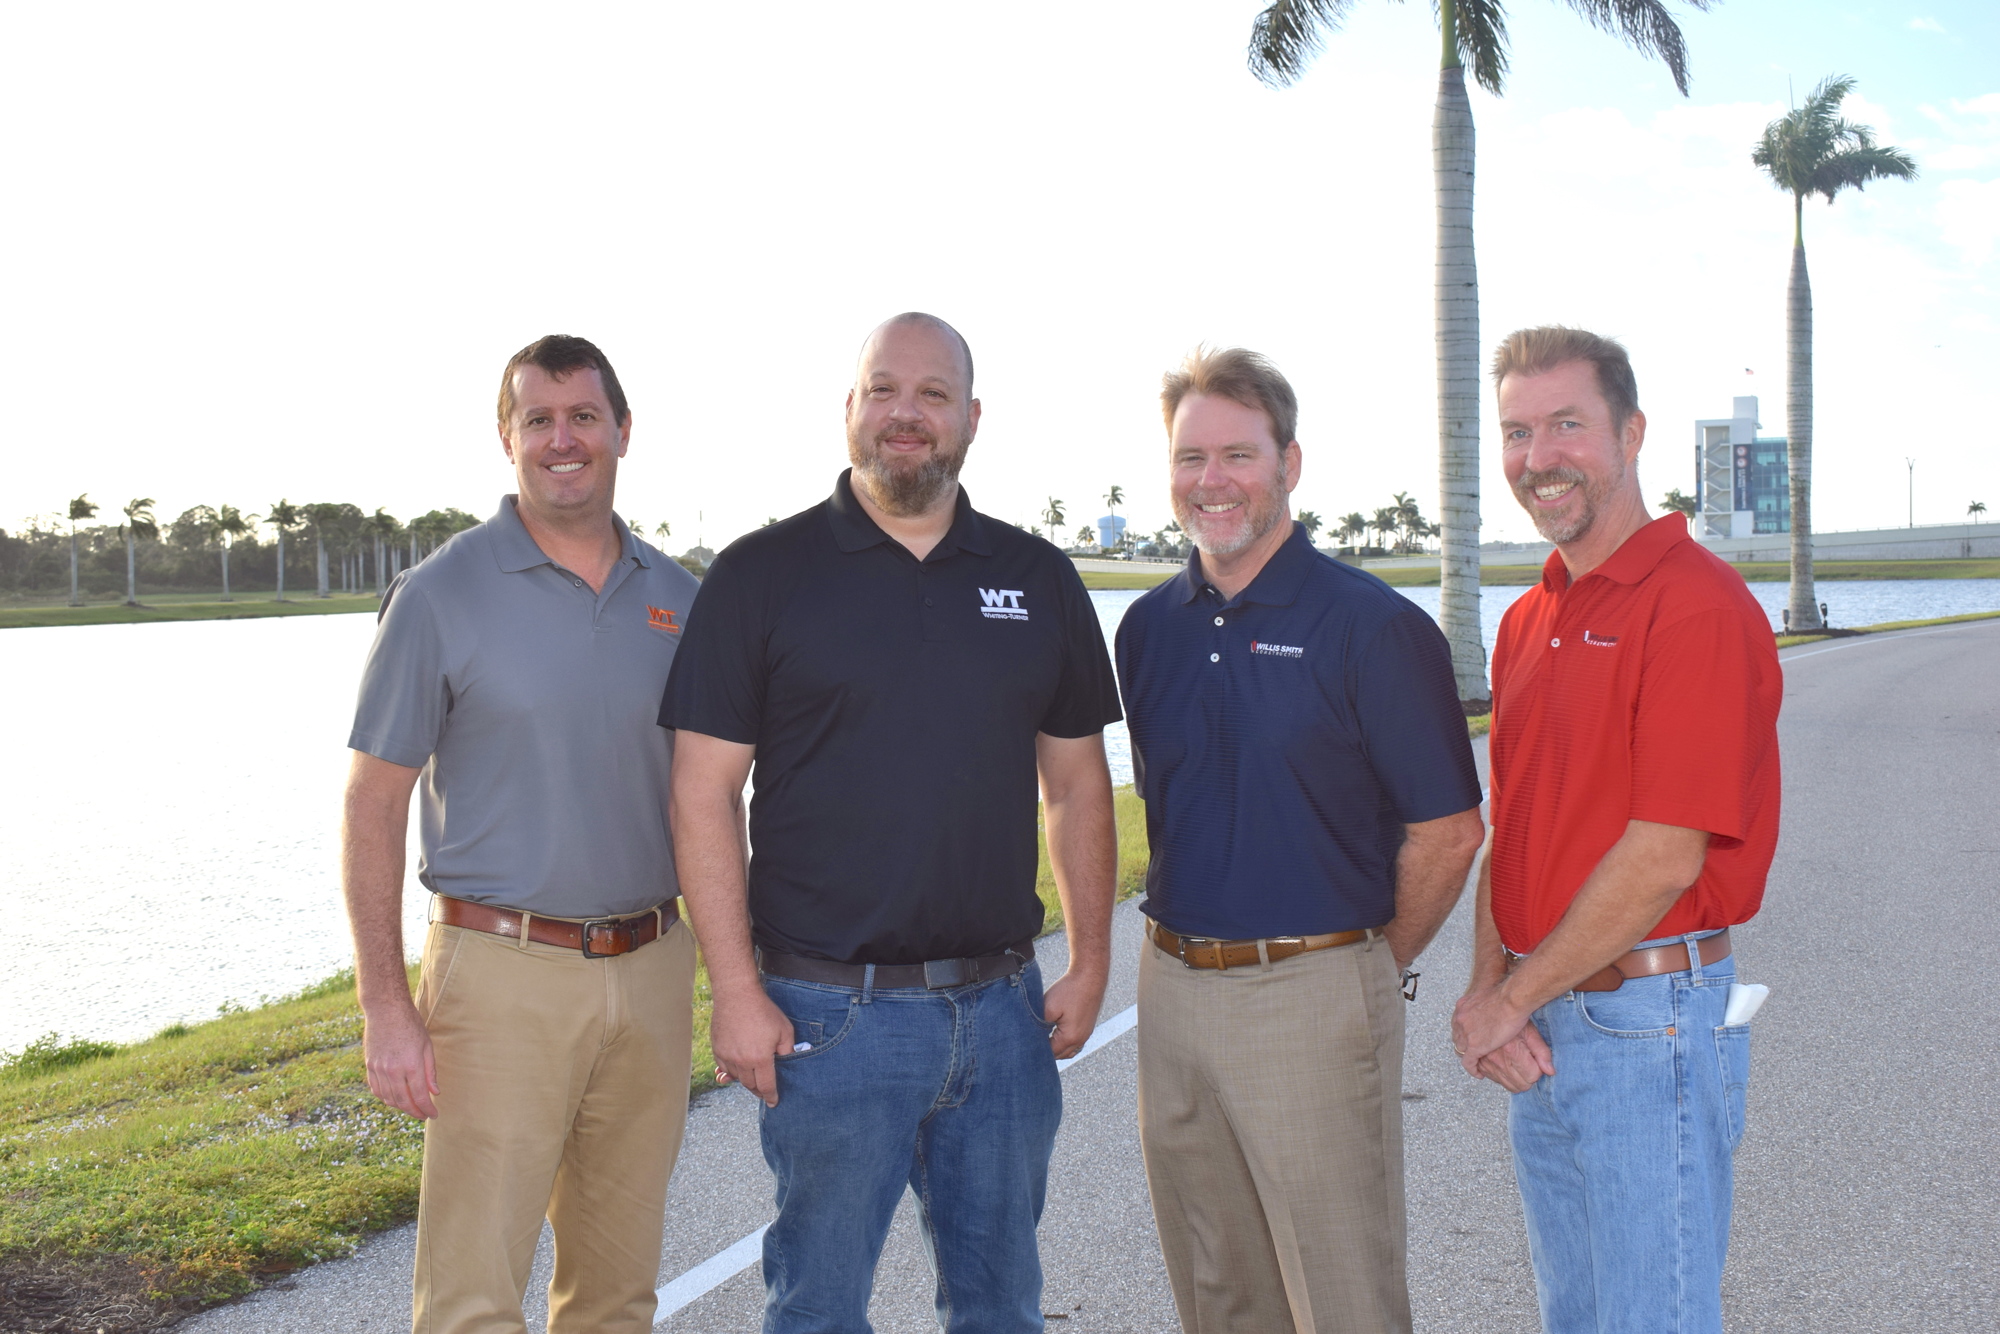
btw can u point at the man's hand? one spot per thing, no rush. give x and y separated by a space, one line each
1072 1005
1487 1019
396 1049
748 1032
1518 1064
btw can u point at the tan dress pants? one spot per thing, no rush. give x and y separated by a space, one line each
562 1092
1271 1117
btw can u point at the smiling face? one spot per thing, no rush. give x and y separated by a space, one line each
910 417
1232 482
1570 465
563 441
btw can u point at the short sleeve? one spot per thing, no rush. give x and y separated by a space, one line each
1707 716
405 698
716 685
1086 698
1412 725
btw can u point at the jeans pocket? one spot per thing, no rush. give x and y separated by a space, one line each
1642 1008
1028 984
820 1016
1732 1051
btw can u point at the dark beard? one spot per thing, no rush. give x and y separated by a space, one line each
907 489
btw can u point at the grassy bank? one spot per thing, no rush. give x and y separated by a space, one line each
1790 641
217 1155
1514 576
181 607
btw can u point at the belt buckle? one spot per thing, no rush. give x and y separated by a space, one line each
942 973
1181 947
629 930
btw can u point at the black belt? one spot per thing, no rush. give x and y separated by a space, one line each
934 975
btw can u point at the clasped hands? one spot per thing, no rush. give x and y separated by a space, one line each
1496 1039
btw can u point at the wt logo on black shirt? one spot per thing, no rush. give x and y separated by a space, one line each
1002 604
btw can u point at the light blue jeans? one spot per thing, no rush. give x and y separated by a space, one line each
1624 1155
952 1093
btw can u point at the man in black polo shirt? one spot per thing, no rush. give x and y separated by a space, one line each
1313 809
900 669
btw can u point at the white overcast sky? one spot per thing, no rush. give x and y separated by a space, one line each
256 250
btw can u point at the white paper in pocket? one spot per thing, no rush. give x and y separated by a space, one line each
1745 999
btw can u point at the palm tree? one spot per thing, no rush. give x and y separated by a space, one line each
283 517
382 526
1283 40
321 517
1114 498
80 508
1311 522
139 522
1384 523
1053 516
1678 502
1812 151
1086 536
663 532
1975 509
228 525
1352 526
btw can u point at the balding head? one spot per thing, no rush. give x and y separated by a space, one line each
919 320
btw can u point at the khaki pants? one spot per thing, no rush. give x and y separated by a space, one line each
562 1091
1271 1117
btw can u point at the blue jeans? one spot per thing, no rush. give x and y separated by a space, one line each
1624 1154
952 1093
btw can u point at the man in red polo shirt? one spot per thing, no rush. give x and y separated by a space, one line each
1634 811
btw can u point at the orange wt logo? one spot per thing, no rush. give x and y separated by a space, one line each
661 619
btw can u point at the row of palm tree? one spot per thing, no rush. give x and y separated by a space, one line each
339 531
1810 151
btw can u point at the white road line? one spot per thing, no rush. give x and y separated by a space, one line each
1882 639
717 1270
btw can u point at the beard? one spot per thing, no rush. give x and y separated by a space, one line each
904 487
1226 534
1574 526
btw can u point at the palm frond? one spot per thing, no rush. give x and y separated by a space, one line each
1285 37
1646 27
1813 150
1482 40
1855 167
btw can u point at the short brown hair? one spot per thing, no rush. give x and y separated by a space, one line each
1539 350
562 355
1237 374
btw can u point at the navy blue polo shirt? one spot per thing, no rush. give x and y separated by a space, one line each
894 705
1281 740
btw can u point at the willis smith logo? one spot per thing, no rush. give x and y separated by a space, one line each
1002 604
1277 650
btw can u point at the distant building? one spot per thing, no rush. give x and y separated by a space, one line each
1742 484
1110 531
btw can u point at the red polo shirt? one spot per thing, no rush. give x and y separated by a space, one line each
1646 690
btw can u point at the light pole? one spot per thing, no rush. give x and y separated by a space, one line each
1913 489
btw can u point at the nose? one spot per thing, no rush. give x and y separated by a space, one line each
904 409
1542 452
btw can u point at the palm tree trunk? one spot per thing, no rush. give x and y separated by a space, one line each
74 600
225 576
1803 605
319 544
281 565
131 569
1457 375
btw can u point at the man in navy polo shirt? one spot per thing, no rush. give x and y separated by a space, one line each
1313 810
896 673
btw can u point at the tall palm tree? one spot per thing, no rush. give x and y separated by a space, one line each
140 521
1975 509
1283 40
283 517
1812 151
1384 523
1352 526
1114 498
1053 516
80 508
382 526
1311 522
229 525
321 518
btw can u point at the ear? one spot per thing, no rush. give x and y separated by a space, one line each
625 435
1294 462
1635 436
972 421
506 445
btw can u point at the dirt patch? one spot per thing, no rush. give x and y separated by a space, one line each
50 1294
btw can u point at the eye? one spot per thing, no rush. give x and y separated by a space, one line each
540 419
937 394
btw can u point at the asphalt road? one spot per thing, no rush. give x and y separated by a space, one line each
1868 1179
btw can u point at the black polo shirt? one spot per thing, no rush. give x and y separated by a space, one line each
894 705
1282 739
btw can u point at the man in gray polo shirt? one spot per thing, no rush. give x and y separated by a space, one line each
517 671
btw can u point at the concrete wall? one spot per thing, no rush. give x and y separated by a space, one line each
1940 541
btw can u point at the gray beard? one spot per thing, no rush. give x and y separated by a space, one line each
908 490
1575 528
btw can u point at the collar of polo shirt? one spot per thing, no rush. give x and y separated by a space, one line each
1276 585
1633 561
853 530
514 550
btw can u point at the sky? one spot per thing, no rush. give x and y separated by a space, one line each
256 251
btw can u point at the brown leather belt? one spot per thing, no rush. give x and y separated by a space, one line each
598 938
1201 952
935 975
1645 963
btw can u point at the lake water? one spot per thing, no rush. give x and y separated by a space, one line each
164 779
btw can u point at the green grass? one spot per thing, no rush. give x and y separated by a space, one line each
1510 576
217 1153
1145 576
1793 641
183 607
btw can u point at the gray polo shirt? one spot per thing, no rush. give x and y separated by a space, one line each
531 702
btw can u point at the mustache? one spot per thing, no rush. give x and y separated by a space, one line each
1528 481
927 436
